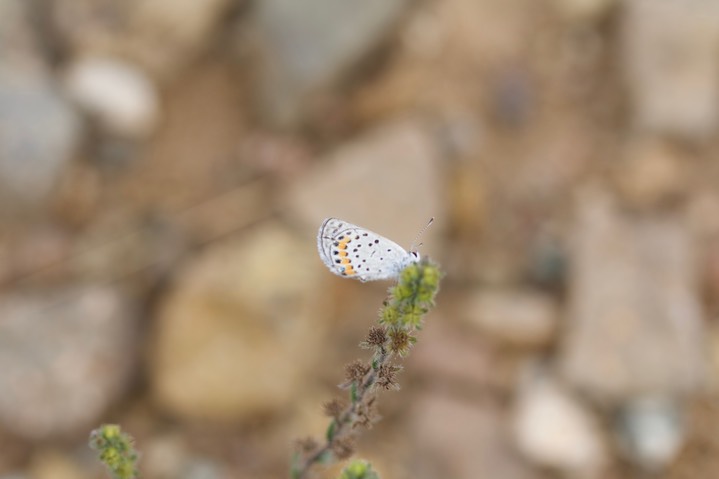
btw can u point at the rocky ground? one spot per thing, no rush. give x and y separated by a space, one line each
165 165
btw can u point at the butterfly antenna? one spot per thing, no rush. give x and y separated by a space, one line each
419 235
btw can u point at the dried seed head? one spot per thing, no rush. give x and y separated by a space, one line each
377 336
356 370
400 341
387 376
366 413
334 408
306 445
343 448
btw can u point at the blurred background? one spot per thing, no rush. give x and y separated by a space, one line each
165 165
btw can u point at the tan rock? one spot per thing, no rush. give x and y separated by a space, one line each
651 174
635 320
241 328
672 66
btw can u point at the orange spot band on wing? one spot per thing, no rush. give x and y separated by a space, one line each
345 261
349 271
343 253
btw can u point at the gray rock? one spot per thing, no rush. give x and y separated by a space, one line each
39 133
66 355
672 65
635 321
307 46
651 431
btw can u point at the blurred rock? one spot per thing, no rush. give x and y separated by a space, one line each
651 175
116 93
651 431
636 321
517 317
584 10
66 355
40 133
160 35
458 439
388 181
672 65
163 456
197 468
554 429
241 329
53 464
19 44
308 46
446 356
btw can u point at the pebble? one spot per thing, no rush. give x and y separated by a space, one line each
651 431
553 428
521 318
116 93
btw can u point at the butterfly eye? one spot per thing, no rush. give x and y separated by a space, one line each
415 255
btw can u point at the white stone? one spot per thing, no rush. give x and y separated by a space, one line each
554 429
118 94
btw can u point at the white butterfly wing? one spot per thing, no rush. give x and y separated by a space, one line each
352 251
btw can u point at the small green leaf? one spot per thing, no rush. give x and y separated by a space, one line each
330 434
353 392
